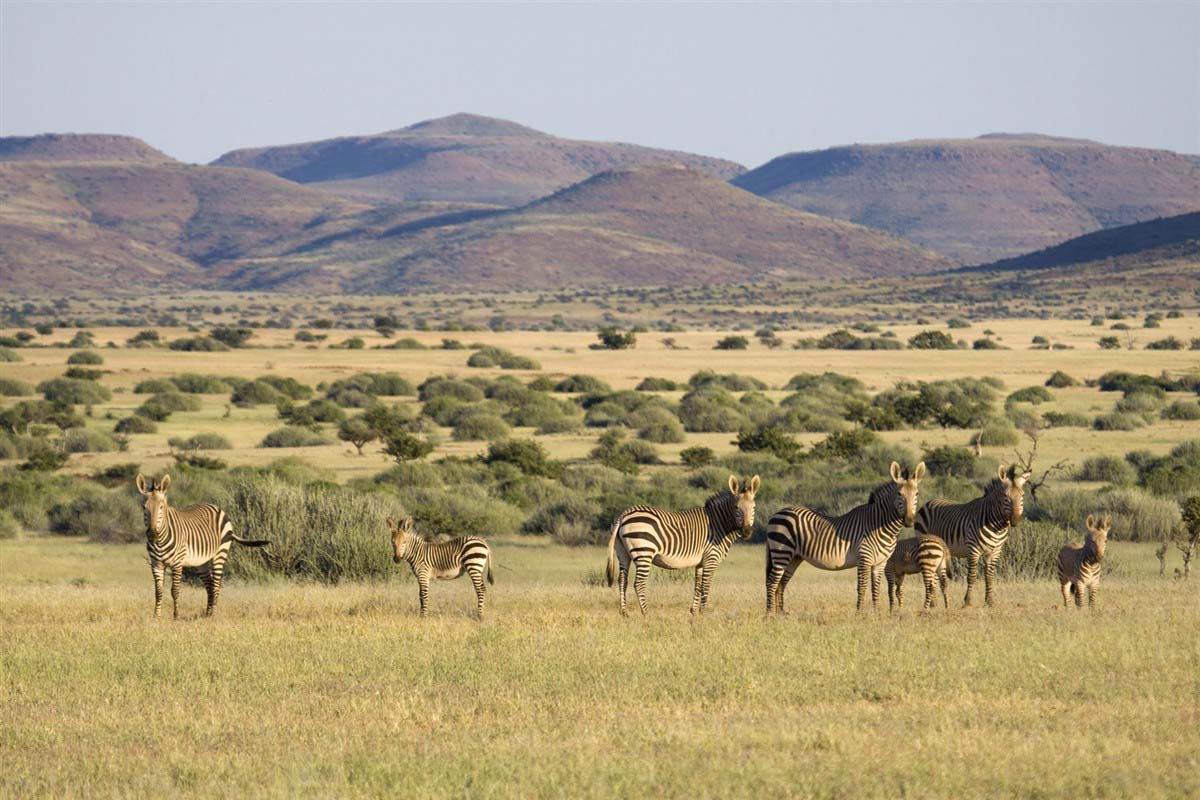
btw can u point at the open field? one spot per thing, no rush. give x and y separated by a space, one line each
318 691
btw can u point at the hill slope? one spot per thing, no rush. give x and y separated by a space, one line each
75 225
644 226
461 158
1129 246
80 147
978 200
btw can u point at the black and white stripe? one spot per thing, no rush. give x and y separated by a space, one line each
442 560
1079 565
978 529
196 536
927 556
698 537
863 537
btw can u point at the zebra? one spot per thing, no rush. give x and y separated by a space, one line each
1079 566
978 529
442 560
195 536
863 537
698 537
927 555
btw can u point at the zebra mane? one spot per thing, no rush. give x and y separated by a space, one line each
882 491
995 486
719 499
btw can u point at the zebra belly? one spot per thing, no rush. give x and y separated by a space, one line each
191 559
448 574
676 561
833 563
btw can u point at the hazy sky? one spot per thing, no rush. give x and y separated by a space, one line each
746 82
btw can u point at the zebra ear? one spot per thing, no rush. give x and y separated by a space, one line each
1002 473
733 484
754 484
1106 523
164 482
1091 522
140 482
407 524
391 523
919 472
897 473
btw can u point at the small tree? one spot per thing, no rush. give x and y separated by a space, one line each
932 340
697 456
403 446
357 432
1188 533
732 343
1109 343
612 339
233 337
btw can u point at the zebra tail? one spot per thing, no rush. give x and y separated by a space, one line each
249 542
491 559
610 571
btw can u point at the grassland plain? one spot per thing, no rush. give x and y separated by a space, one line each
300 690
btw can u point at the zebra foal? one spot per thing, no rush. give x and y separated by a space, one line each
698 537
442 560
1079 565
196 536
926 555
863 537
978 529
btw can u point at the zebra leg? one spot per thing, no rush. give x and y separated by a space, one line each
698 590
1078 590
641 568
157 571
942 584
477 579
176 577
1092 591
864 578
929 580
423 592
1066 593
774 574
989 578
216 571
792 566
623 583
899 579
972 575
706 583
876 586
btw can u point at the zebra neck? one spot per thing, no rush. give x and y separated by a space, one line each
164 540
996 516
418 549
721 521
1091 553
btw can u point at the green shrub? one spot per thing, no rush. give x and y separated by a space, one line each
1145 403
986 344
1184 410
288 387
144 338
291 436
1066 419
402 446
466 510
605 414
770 439
1030 394
1109 343
177 401
586 384
711 409
83 440
570 521
254 393
1031 552
957 322
449 387
932 340
1118 421
844 444
8 356
697 456
200 441
732 343
87 358
14 388
657 385
311 414
485 427
155 386
409 343
198 384
74 392
499 357
1107 469
657 424
201 344
9 527
730 382
613 450
525 454
153 410
1061 380
1169 343
999 433
118 475
111 517
135 424
84 374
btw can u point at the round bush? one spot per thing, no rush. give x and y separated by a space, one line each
153 410
111 517
75 392
1107 469
14 388
1060 380
86 358
254 393
1030 394
481 427
657 424
450 387
585 384
657 385
82 440
1000 433
1182 410
155 386
8 356
199 384
292 436
176 401
1118 421
201 441
605 414
135 424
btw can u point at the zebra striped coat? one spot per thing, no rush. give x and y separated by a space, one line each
699 537
978 529
196 536
863 537
924 555
442 560
1079 565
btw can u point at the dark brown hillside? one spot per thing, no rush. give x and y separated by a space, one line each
461 158
645 226
981 199
80 147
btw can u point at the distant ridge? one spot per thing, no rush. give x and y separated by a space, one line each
80 147
977 200
1142 243
462 158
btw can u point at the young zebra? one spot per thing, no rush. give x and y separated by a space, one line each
698 537
1079 566
863 537
189 537
978 529
927 555
442 560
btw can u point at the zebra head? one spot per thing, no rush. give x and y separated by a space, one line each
1098 528
905 497
743 511
154 507
402 536
1013 484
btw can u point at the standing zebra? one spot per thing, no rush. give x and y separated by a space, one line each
863 537
978 529
698 537
1079 566
442 560
927 555
185 537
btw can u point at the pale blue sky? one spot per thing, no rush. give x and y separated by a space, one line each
746 82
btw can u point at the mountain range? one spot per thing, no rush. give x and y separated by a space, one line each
469 202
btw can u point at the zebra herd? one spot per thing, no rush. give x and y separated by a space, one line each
864 538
